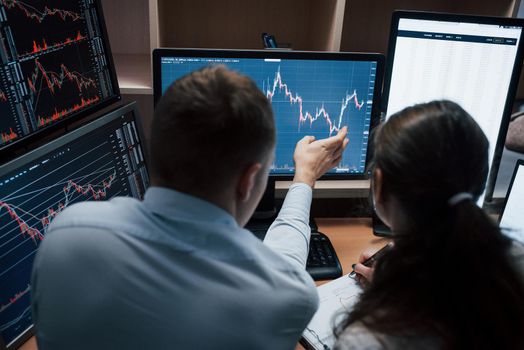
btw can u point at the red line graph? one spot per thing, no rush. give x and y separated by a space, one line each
10 136
58 114
25 229
39 48
56 80
15 298
320 112
95 192
40 15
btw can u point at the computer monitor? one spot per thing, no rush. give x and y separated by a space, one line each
312 93
55 64
474 61
98 161
511 218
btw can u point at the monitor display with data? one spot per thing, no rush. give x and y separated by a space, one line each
512 218
54 64
99 161
311 94
474 61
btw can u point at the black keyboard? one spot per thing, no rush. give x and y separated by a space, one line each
322 261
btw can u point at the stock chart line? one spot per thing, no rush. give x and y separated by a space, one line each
60 202
304 116
19 192
23 226
54 79
96 192
15 298
5 326
41 48
40 15
59 114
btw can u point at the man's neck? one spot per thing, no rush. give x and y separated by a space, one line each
222 199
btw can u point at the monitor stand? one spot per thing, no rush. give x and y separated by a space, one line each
266 210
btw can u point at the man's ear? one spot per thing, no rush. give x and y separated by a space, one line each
247 180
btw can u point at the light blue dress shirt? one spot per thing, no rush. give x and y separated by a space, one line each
172 272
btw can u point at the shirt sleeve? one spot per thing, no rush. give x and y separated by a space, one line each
290 233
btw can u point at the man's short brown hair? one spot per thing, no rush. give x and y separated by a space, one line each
208 126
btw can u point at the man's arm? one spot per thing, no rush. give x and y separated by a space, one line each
289 234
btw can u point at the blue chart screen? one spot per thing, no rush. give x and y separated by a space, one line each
100 165
309 97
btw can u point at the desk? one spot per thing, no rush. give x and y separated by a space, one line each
349 237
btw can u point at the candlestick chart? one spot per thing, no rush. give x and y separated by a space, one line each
95 167
39 25
309 97
59 87
53 59
9 130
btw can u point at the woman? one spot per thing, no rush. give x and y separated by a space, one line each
451 280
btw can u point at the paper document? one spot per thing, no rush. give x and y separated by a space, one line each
336 300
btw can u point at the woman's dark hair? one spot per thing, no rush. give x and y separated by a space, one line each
449 274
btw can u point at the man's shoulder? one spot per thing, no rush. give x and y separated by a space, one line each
103 215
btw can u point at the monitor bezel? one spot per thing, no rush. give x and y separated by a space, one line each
52 146
519 165
27 140
158 54
513 85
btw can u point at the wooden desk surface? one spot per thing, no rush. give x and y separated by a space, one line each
349 237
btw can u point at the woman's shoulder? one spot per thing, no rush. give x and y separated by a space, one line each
358 336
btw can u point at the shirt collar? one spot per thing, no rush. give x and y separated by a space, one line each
171 203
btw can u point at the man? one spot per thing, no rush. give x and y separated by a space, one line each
178 270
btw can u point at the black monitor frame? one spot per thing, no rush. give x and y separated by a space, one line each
512 90
518 165
281 54
55 144
76 116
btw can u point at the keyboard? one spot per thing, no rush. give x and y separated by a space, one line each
322 261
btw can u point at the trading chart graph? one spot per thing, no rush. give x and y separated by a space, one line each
50 24
7 125
98 166
53 62
309 97
58 89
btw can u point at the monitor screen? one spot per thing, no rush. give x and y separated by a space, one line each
99 161
512 220
474 61
54 64
311 94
